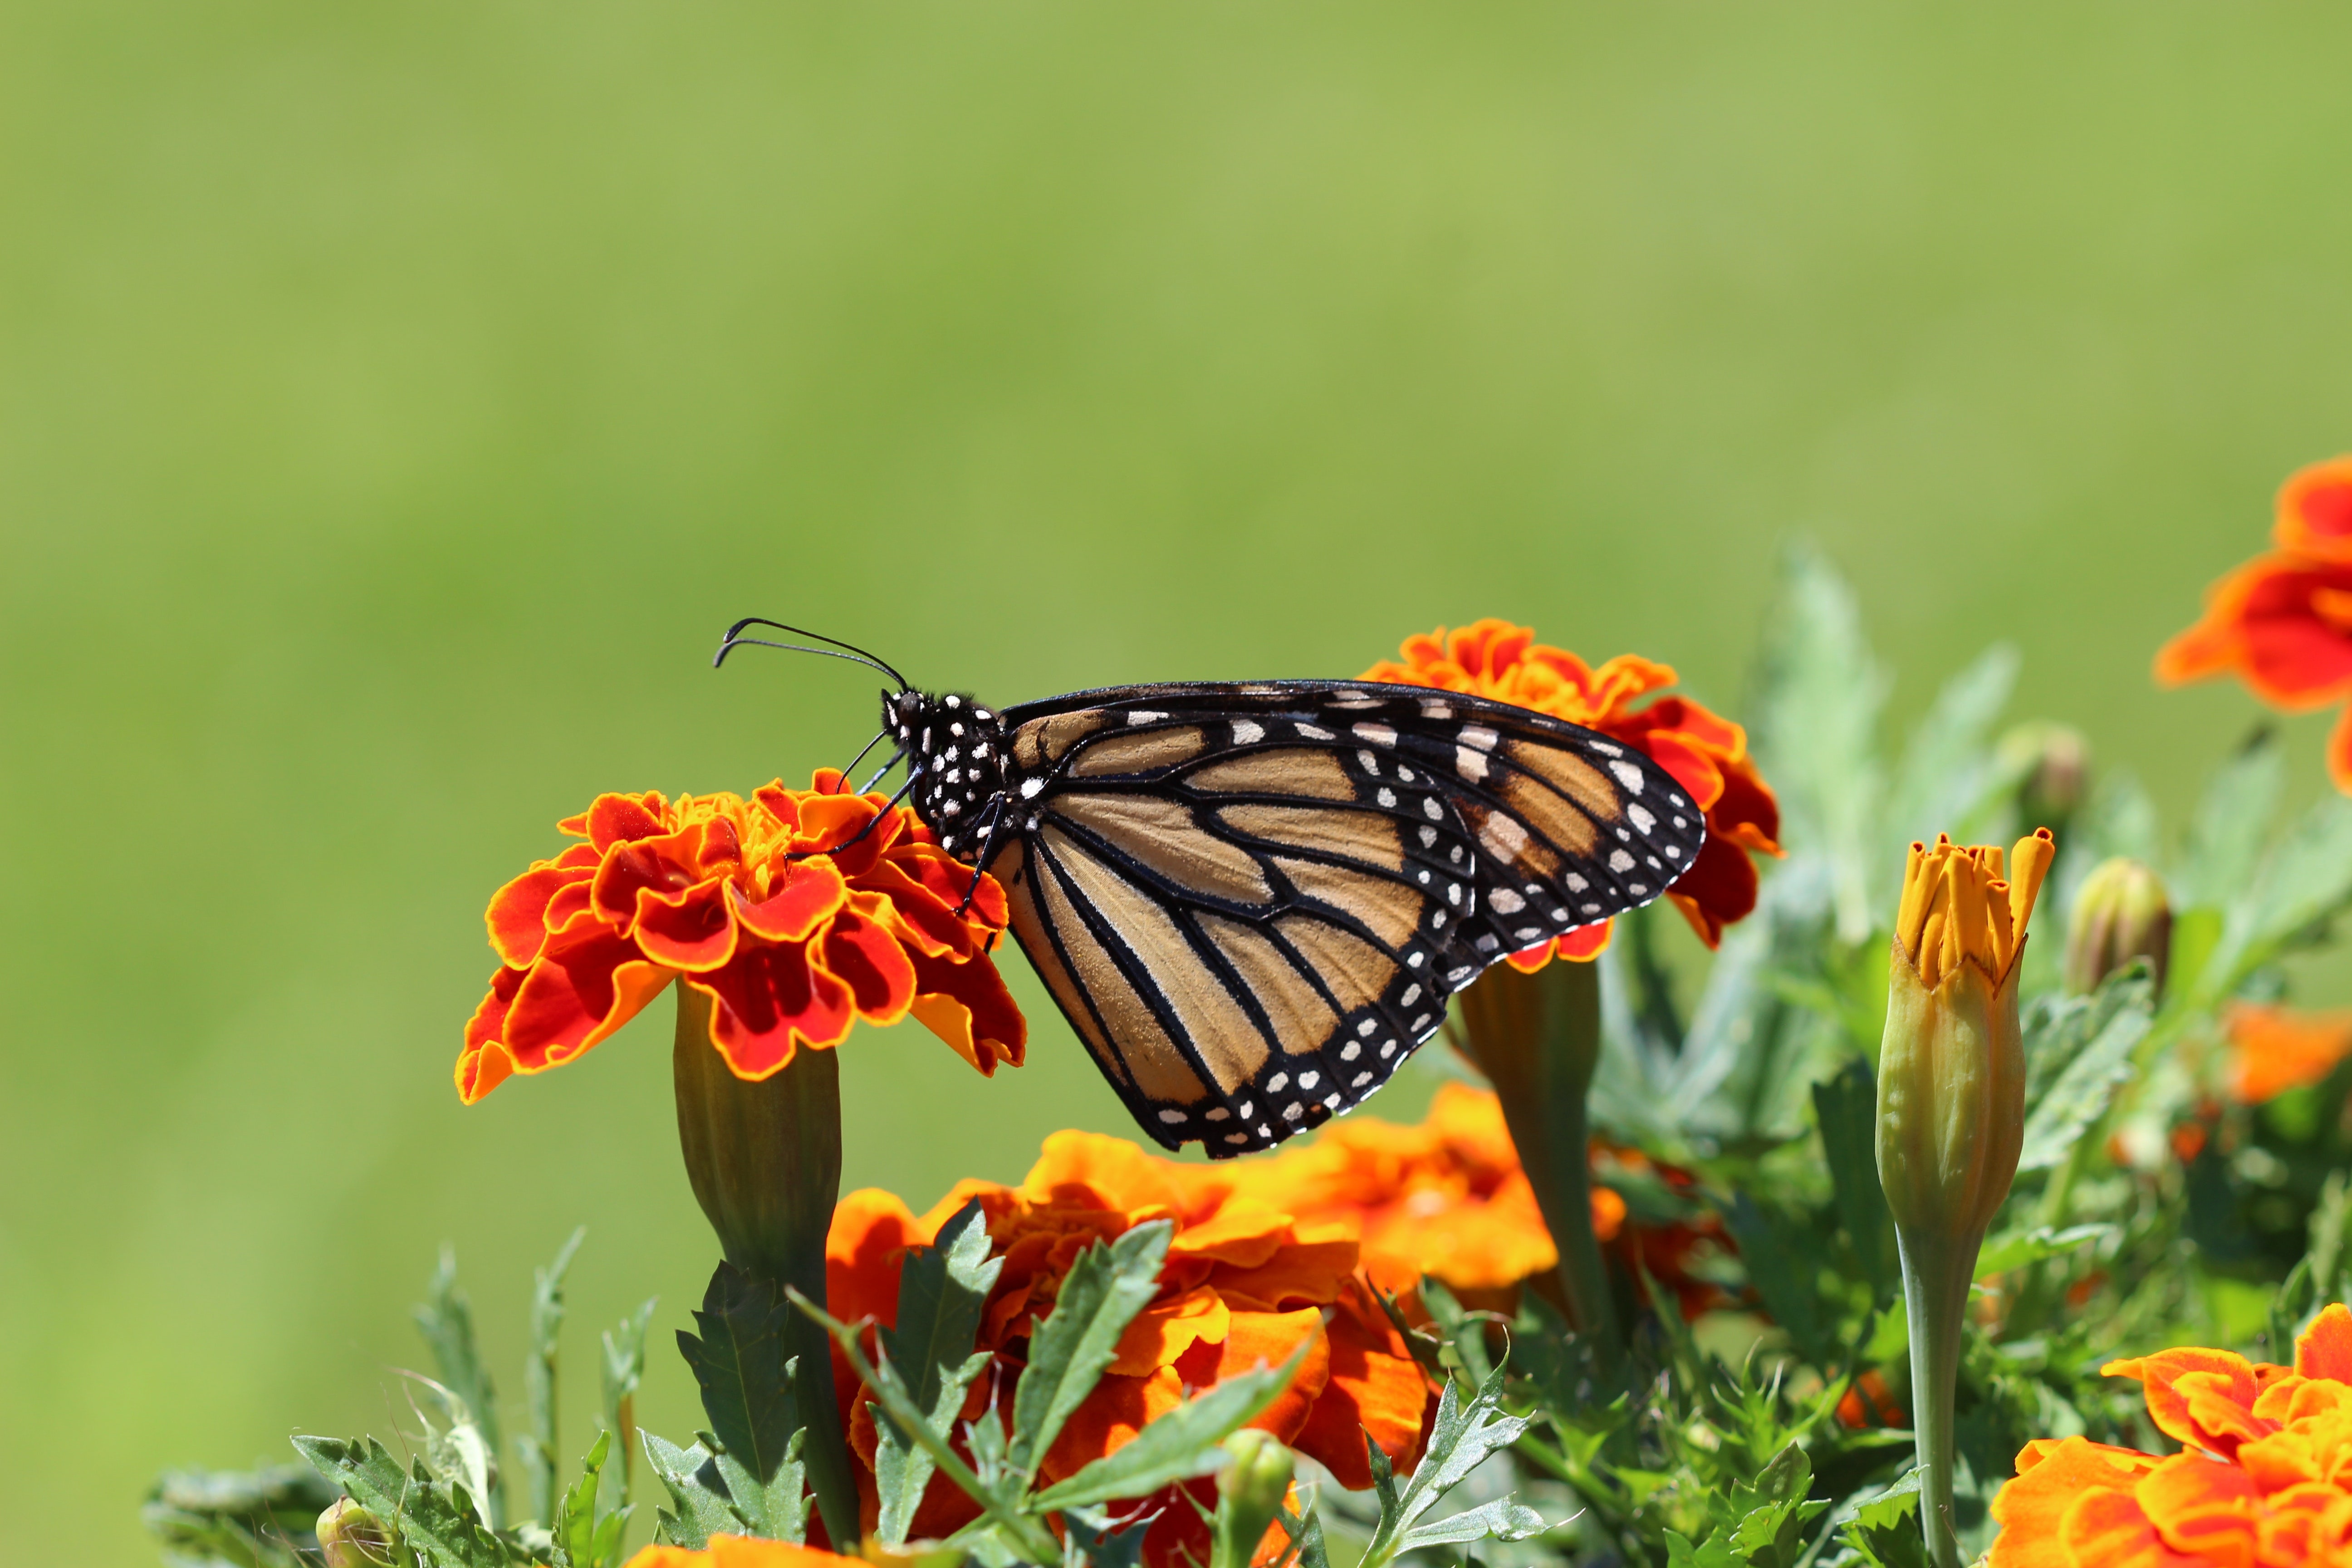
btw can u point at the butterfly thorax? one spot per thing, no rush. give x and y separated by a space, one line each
955 748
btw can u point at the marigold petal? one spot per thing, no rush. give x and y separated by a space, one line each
1608 1215
1108 1421
621 819
2198 1507
1719 889
2159 1373
576 996
968 1005
2109 1528
804 894
1270 1339
2052 1474
2274 1049
2314 511
1166 1330
864 1248
770 1000
1111 1172
1299 1273
2324 1349
695 931
516 916
1586 943
485 1062
1376 1388
860 953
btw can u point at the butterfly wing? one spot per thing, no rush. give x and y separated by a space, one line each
1253 901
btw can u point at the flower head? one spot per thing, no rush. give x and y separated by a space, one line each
742 1552
796 912
1706 754
2265 1476
1244 1282
1951 1069
2274 1049
2283 622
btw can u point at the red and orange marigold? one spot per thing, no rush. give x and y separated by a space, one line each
2264 1476
2274 1049
2283 622
1244 1282
1706 754
742 1552
794 918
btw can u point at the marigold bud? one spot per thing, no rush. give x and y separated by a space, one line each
1250 1492
1951 1110
351 1537
2054 763
2120 914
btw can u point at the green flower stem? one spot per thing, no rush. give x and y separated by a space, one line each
1936 1273
1537 1038
765 1162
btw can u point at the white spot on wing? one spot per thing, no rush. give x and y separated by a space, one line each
1030 788
1352 1052
1576 884
1436 710
1361 1080
1470 764
1480 736
1309 1080
1174 1117
1277 1083
1639 816
1619 861
1378 734
1247 733
1428 837
1312 733
1140 716
1502 900
1627 775
1388 797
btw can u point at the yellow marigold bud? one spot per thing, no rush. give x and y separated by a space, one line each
351 1537
1250 1492
1951 1109
2120 914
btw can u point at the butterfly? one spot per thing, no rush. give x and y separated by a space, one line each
1252 900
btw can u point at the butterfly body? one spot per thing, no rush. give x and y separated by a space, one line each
1254 901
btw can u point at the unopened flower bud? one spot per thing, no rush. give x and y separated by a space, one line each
1250 1492
1951 1110
2121 913
2053 769
351 1537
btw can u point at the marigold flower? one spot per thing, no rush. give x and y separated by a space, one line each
765 906
1244 1282
742 1552
1706 754
2283 622
2274 1049
2266 1475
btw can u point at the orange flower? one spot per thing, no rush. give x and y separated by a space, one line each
741 1552
1706 754
2274 1049
2284 621
765 906
1244 1282
2266 1475
1444 1197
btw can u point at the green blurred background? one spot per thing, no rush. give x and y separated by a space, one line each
396 400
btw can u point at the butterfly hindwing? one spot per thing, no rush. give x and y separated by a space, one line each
1253 901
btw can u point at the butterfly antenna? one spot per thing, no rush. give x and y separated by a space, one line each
879 737
838 649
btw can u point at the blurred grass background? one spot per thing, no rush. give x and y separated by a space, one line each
395 402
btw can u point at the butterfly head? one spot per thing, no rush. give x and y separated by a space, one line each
955 750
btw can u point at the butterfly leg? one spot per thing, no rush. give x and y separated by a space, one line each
896 758
880 818
996 819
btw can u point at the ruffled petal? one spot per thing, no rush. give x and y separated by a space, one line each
518 915
2110 1530
693 931
1376 1388
861 953
575 997
2325 1348
2233 1379
771 999
2052 1474
486 1062
864 1248
2314 511
1164 1332
968 1005
805 894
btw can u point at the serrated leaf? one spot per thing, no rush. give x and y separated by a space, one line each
541 1382
1104 1545
573 1527
1846 1106
696 1490
456 1449
1460 1439
942 1290
1104 1291
1503 1518
2121 1013
740 1365
1180 1444
446 1319
625 1367
1306 1532
436 1522
776 1509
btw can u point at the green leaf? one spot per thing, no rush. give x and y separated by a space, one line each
1884 1530
2225 839
2015 1249
1462 1437
776 1509
259 1519
540 1380
437 1521
1503 1518
740 1364
1104 1291
1181 1444
2306 878
942 1290
1846 1105
456 1449
2111 1024
691 1478
1948 771
446 1321
1306 1532
1104 1545
625 1367
1783 1256
577 1538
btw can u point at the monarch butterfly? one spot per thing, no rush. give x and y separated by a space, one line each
1252 900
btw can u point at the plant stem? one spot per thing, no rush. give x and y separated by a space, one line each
1538 1039
1936 1272
765 1162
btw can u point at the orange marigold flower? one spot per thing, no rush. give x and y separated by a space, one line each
1443 1197
2265 1476
2283 621
1244 1282
1706 754
766 906
742 1552
2274 1049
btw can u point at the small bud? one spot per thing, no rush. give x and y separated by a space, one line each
1250 1492
2054 770
2121 913
351 1537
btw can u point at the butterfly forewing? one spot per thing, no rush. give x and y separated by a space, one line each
1253 901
